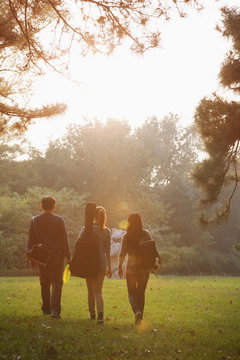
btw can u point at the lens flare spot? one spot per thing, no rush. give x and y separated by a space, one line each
123 224
142 327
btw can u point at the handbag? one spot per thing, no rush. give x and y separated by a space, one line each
39 254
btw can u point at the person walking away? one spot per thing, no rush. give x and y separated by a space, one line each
49 230
136 277
94 284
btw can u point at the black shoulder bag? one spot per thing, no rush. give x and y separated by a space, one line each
38 252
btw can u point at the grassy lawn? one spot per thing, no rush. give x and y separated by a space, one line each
185 318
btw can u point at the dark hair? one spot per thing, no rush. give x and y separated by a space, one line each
48 203
100 216
134 230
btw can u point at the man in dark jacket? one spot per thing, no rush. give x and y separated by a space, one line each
49 230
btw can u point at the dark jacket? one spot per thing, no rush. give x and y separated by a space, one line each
49 230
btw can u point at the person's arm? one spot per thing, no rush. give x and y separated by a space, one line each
158 256
122 255
32 240
108 256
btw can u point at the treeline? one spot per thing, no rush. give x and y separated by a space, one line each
147 170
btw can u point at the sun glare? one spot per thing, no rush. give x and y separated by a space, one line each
171 79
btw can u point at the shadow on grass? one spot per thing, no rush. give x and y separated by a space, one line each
41 337
22 326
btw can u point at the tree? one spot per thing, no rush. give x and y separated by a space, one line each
218 124
125 171
105 161
36 35
172 153
15 56
172 148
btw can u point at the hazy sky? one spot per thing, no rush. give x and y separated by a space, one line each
172 78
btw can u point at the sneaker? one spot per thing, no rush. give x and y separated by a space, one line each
100 318
55 315
138 318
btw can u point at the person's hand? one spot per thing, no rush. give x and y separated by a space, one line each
120 272
109 273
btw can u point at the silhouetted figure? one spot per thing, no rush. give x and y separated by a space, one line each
49 230
136 276
94 284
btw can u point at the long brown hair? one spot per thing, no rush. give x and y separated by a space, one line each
100 216
134 230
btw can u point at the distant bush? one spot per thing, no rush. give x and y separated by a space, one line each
193 261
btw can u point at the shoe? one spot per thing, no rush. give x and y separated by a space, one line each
138 318
55 315
92 316
100 318
46 312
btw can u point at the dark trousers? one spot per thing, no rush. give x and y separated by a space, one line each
136 284
51 276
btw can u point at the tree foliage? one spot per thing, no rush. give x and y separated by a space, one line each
39 35
15 57
218 124
145 170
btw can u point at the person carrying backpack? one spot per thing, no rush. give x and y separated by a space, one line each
91 259
94 285
137 243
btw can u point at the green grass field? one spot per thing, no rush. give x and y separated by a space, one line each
185 318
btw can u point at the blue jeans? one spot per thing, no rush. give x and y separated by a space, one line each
94 286
136 284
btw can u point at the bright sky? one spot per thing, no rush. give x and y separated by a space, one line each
172 78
